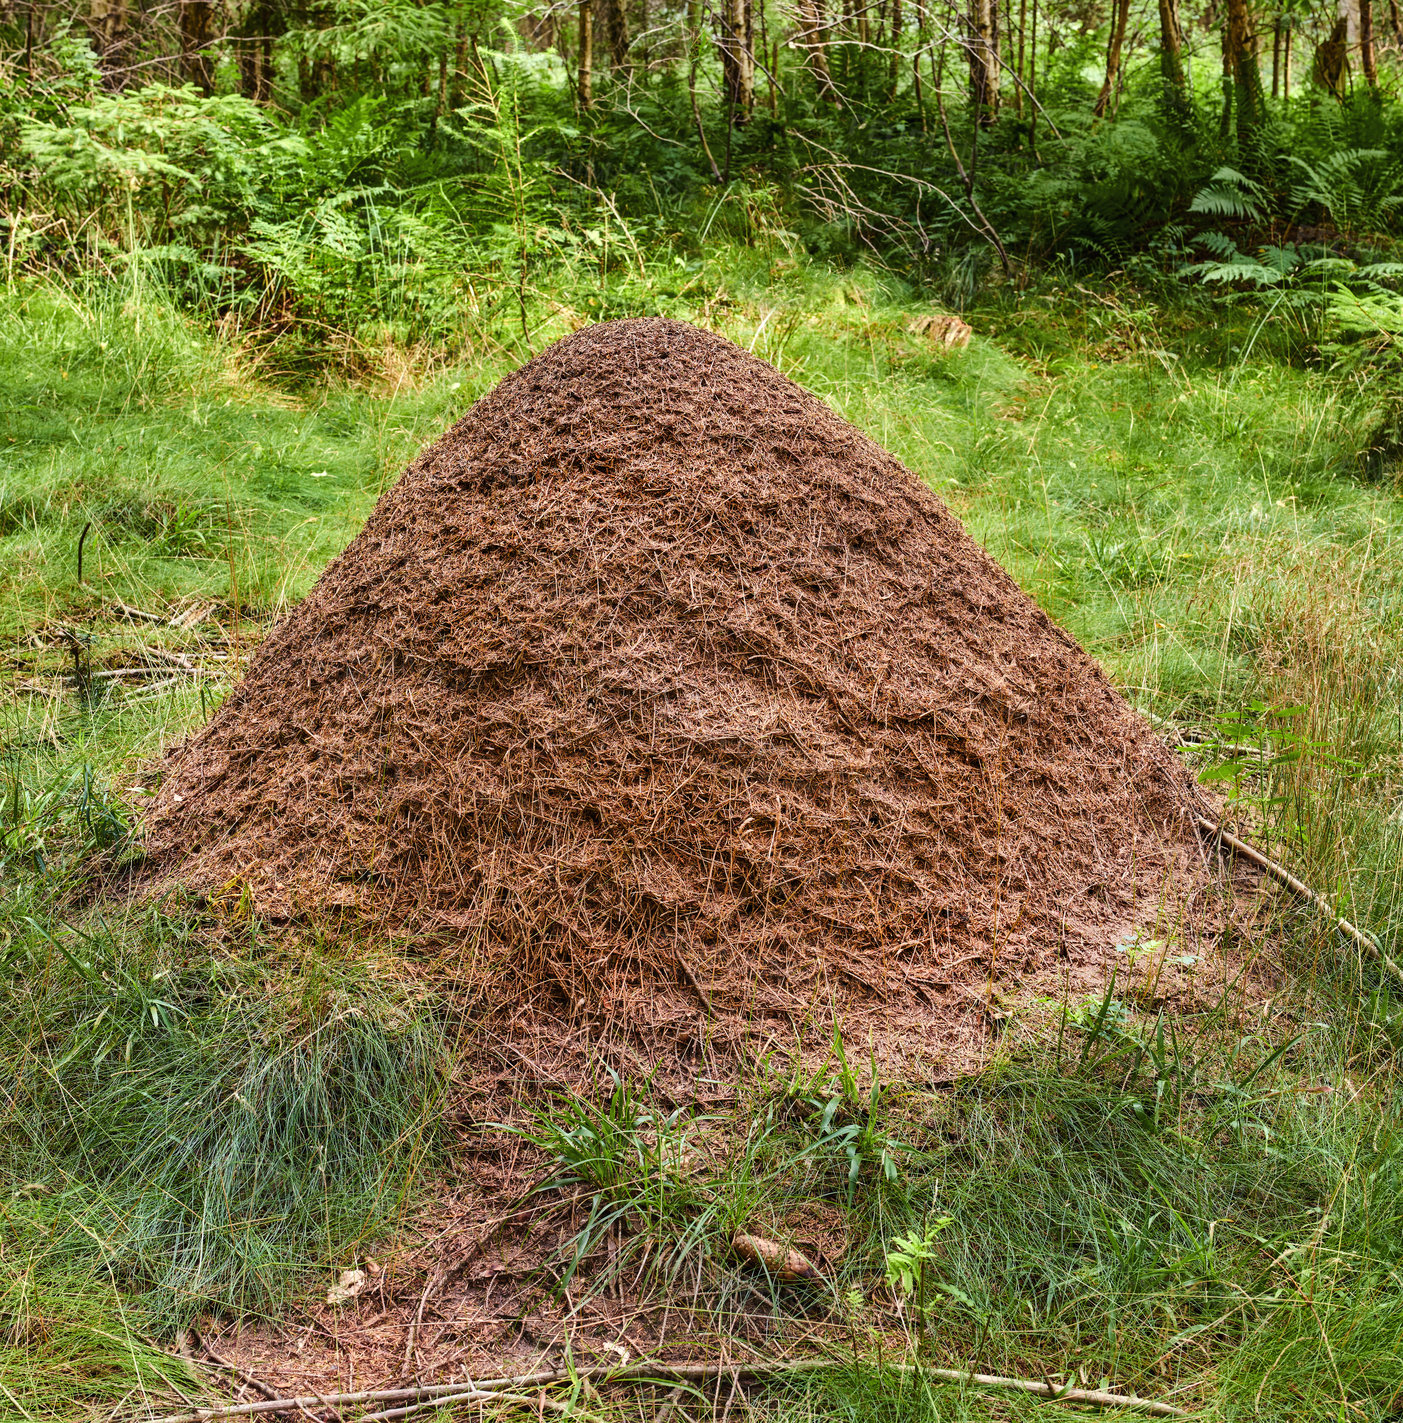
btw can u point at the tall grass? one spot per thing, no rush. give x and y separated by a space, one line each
200 1128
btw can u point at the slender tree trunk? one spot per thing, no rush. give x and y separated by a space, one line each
1019 62
738 59
812 41
1240 66
196 24
1171 47
1395 19
694 13
896 23
1276 57
460 64
1286 63
616 33
1367 59
586 79
1120 16
1332 59
1174 88
108 25
983 60
1033 83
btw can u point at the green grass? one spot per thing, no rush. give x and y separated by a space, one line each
1210 1210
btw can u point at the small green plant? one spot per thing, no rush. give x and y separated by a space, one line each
909 1264
1247 751
847 1123
71 811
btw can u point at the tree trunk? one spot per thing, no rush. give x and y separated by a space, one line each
982 48
896 22
1171 59
108 25
196 26
586 80
1020 62
616 33
1033 82
815 49
1120 16
1367 60
1240 62
1332 59
738 58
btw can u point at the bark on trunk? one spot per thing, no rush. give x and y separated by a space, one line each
1240 62
616 32
1332 59
196 30
738 58
1020 68
108 26
895 73
812 41
586 79
1367 61
982 48
1120 17
1171 58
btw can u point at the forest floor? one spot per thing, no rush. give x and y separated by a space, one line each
206 1119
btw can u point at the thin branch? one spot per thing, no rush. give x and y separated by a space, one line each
1282 875
507 1389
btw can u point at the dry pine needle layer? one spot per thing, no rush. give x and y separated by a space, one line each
670 694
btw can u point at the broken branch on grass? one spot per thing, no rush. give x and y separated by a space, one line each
1282 875
506 1390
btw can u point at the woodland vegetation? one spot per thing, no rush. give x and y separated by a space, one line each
257 254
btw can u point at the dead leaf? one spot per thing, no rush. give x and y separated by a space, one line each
351 1283
943 329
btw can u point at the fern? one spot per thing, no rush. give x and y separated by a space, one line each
1230 194
1358 189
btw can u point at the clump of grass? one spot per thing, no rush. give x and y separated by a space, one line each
200 1129
64 1350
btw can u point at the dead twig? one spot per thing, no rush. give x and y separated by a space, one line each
242 1374
505 1390
1365 941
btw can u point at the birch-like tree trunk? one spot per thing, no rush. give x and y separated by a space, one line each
983 51
812 40
737 46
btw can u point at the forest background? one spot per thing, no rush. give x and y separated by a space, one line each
258 254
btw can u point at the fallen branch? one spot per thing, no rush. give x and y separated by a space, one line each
1366 941
507 1390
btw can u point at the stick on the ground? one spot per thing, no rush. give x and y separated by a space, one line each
1366 941
505 1389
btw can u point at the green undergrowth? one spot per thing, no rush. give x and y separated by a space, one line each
199 1117
1199 1210
189 1125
